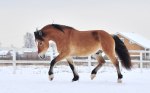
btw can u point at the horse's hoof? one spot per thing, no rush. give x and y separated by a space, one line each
93 76
119 81
76 78
51 77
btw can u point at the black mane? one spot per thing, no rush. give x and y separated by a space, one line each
57 26
39 34
60 27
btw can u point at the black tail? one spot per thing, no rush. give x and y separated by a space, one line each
122 53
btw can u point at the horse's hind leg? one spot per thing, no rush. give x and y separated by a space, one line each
116 64
101 61
108 47
71 64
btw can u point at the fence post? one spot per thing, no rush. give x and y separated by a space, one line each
141 63
89 62
14 61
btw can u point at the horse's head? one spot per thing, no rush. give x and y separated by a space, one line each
42 43
52 32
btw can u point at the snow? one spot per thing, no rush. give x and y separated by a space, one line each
34 79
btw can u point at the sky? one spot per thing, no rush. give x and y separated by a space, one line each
20 16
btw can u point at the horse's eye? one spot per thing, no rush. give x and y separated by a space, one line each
40 43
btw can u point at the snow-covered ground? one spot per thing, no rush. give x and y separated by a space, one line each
34 79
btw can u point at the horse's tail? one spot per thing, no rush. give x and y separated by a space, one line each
122 53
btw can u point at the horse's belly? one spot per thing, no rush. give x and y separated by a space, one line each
85 51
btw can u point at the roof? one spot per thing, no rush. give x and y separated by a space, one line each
138 39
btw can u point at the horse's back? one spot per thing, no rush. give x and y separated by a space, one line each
87 42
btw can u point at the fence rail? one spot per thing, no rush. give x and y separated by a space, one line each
139 57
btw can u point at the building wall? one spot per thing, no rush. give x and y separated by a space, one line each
131 45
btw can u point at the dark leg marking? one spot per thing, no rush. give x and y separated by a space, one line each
51 67
71 64
76 76
101 62
94 71
120 76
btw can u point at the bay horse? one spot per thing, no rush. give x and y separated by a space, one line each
72 42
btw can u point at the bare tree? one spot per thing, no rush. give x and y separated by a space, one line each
29 41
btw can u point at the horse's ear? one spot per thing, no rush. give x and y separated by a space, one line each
36 34
39 35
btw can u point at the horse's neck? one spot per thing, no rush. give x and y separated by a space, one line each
59 39
62 39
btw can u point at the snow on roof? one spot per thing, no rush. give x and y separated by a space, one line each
136 38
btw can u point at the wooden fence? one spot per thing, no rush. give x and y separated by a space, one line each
138 57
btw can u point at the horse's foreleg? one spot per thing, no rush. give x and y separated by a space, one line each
101 61
71 64
57 59
50 73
